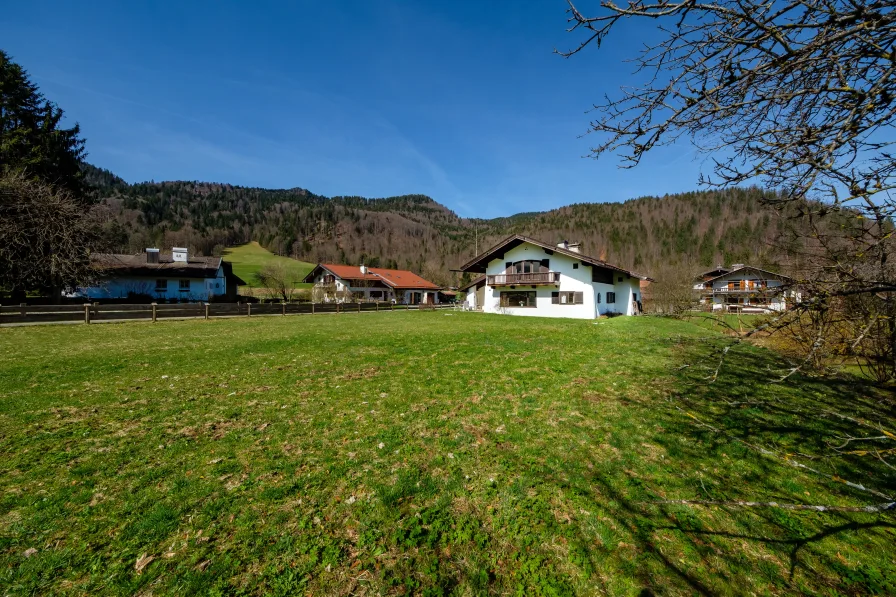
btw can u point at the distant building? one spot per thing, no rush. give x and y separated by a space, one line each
744 288
346 283
160 276
524 276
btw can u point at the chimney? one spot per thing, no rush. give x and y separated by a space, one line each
179 254
736 265
152 255
363 270
574 247
563 244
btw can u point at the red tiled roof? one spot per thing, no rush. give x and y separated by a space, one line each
396 278
401 278
348 272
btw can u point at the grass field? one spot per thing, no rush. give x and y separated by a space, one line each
422 453
249 258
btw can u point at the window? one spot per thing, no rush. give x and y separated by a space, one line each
567 298
620 278
530 266
518 299
598 298
161 285
611 297
575 266
184 285
602 275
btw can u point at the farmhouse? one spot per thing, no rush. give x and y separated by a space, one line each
161 276
744 288
344 283
524 276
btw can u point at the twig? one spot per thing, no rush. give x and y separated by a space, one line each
871 509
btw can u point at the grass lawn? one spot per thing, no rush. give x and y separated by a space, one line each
422 453
249 258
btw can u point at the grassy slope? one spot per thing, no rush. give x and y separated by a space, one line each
430 453
249 258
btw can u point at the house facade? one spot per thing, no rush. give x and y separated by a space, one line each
349 283
744 288
160 276
524 276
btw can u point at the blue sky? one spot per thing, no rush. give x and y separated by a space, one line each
462 101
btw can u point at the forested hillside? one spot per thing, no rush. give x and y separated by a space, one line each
416 232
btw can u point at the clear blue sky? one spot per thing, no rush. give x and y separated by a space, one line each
462 101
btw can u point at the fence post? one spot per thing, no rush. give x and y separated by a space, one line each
87 313
154 312
391 306
284 307
248 309
206 310
377 306
359 307
23 308
312 308
337 308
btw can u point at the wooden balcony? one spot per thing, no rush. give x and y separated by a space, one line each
533 279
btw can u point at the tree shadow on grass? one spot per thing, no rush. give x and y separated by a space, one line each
727 549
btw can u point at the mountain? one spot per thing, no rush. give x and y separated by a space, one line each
699 228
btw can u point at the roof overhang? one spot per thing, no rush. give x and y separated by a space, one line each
479 264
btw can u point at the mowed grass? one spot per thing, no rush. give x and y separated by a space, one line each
422 453
248 259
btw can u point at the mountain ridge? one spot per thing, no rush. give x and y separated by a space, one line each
417 232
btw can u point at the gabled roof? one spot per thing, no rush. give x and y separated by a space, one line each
109 264
713 273
479 263
394 278
750 267
474 282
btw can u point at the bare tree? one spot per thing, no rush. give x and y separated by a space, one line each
672 290
279 279
799 95
47 237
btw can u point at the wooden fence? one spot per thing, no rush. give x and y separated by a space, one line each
89 313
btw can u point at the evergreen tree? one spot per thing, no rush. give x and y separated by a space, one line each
32 139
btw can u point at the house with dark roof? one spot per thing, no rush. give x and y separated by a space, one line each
345 283
746 289
173 275
524 276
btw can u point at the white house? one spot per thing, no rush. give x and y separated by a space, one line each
342 283
744 288
160 276
524 276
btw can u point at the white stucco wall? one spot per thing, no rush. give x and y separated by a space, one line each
571 280
201 289
388 294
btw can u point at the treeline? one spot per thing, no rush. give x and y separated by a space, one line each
414 231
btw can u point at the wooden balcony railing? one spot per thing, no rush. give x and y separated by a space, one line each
532 279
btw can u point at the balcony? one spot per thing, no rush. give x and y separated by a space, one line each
532 279
745 288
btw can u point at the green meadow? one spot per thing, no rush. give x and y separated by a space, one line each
248 259
426 453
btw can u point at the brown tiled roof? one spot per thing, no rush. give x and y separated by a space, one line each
749 267
395 278
135 265
481 261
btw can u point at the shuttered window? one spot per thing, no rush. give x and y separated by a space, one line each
598 298
611 297
567 298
